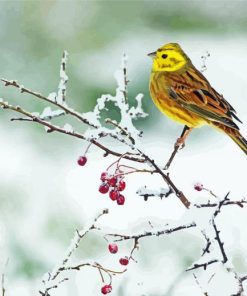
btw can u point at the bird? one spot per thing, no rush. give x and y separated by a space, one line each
183 93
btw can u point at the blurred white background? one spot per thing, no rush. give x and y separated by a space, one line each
45 196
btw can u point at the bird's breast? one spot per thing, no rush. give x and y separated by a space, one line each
159 91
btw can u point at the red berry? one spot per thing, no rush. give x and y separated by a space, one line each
104 188
104 176
112 181
106 289
82 160
113 248
198 187
120 200
114 194
121 185
124 261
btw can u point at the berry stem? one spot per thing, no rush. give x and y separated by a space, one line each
88 146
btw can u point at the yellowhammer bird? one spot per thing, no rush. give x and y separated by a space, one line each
182 93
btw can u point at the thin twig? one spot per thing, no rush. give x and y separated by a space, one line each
240 281
206 249
121 237
55 128
79 235
196 279
64 107
159 194
217 232
177 146
76 241
239 203
202 265
123 131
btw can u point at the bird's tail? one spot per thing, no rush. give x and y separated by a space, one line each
234 135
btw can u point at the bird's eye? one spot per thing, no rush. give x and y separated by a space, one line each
164 56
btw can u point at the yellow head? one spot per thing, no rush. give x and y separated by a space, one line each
169 58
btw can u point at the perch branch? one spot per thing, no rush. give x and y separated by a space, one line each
178 145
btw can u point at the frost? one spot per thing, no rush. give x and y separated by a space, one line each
92 118
48 114
125 127
47 129
21 87
36 114
144 192
68 128
52 96
204 60
63 80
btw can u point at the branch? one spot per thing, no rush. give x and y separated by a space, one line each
121 237
54 128
79 235
75 244
240 281
64 107
180 143
220 243
239 203
217 232
94 265
202 265
167 179
196 279
123 131
146 193
206 249
127 114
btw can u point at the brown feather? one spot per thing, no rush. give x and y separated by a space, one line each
195 93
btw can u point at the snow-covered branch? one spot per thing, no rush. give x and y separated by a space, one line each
125 132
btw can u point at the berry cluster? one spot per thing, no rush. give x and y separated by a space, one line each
114 185
113 248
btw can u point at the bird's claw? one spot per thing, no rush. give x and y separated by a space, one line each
180 143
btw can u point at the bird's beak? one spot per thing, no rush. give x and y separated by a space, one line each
152 54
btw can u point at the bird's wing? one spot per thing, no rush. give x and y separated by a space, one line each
193 92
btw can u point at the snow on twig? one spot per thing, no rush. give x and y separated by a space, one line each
50 281
61 94
146 193
121 102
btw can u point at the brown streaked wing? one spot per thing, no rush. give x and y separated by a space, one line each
196 94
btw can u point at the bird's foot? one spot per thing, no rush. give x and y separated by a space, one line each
180 143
